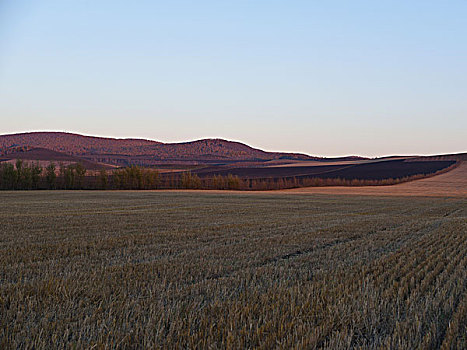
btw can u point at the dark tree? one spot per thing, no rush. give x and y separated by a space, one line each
103 179
36 171
50 176
69 177
80 172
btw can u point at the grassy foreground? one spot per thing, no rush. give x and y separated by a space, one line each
180 270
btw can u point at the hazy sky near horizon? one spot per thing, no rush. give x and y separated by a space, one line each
325 78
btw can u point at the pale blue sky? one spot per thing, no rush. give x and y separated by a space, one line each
320 77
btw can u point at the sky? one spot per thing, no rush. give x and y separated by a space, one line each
327 78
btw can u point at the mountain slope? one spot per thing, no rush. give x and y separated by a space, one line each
125 151
73 143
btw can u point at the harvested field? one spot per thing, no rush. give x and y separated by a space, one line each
293 163
452 183
384 169
192 270
313 163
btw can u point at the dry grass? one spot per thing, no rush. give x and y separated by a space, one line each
180 270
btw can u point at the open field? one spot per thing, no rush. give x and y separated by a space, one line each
192 270
452 183
375 170
292 163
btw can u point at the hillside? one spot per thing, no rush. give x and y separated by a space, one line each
376 170
74 144
139 151
44 156
207 164
450 184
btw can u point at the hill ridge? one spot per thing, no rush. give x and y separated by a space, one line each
104 149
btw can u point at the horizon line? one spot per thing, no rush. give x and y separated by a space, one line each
229 140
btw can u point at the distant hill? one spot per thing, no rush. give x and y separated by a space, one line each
45 156
139 151
93 152
75 144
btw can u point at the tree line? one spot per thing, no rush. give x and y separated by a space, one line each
32 176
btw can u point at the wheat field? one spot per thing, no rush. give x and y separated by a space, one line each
118 270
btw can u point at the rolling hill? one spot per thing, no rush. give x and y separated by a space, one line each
45 156
207 163
210 157
142 152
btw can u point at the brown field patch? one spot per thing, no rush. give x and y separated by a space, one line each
126 270
452 183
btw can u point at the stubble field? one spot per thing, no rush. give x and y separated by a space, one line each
193 270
